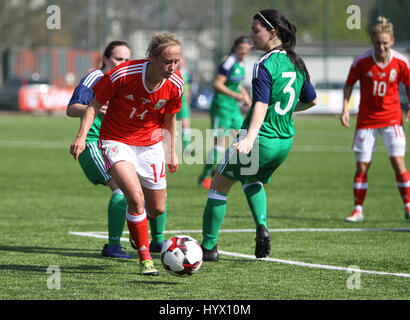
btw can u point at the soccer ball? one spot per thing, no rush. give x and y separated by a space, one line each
181 256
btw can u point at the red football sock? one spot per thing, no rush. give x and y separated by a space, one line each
403 184
138 227
359 189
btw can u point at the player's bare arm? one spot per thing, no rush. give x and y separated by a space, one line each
258 115
77 110
301 106
87 120
219 85
246 98
344 117
408 110
171 157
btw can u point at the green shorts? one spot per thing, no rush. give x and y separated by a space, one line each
222 122
266 156
184 113
93 165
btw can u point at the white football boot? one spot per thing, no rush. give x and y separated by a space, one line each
356 216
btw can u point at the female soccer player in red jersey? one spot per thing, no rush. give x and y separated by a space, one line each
144 97
379 71
91 160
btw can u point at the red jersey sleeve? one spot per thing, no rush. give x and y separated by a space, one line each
354 75
174 106
104 89
405 74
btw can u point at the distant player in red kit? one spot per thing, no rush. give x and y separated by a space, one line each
144 97
379 71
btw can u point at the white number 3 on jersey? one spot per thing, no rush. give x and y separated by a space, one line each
288 89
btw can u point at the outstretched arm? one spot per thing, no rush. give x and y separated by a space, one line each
87 120
258 115
77 110
169 137
344 117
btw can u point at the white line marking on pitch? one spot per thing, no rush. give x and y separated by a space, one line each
275 230
312 265
103 235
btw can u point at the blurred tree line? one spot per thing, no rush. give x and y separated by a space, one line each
86 23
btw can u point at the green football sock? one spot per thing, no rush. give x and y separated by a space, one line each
186 137
157 226
256 196
117 208
214 215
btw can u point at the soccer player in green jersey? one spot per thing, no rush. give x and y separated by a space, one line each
280 86
225 112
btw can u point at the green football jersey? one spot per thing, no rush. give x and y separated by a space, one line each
235 74
275 78
187 79
83 94
94 132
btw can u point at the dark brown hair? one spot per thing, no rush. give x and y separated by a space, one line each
286 32
111 46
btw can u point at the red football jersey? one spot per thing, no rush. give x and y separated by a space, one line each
136 115
379 88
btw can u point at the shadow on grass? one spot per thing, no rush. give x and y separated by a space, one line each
43 269
69 252
153 282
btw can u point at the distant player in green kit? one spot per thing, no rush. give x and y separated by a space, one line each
280 86
185 114
225 111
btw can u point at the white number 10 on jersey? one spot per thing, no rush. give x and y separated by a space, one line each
379 88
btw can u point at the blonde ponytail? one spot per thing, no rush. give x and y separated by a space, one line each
383 26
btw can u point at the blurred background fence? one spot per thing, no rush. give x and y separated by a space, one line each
54 43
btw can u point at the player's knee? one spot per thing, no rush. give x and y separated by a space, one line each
362 167
136 200
156 210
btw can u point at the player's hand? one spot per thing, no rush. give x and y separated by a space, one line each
77 147
103 109
407 116
240 96
344 118
247 102
244 146
172 162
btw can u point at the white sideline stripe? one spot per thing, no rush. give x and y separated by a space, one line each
100 235
312 265
105 233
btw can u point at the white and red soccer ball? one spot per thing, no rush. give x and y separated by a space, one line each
181 256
